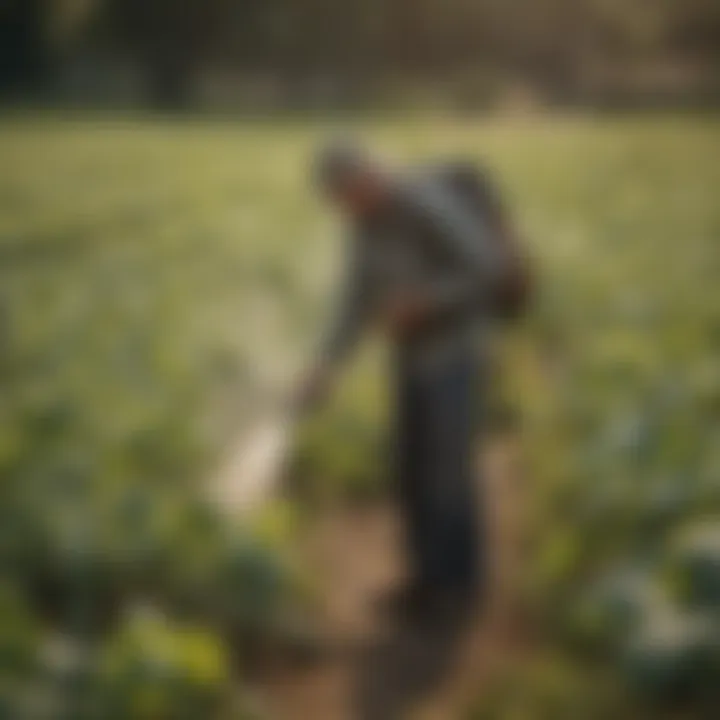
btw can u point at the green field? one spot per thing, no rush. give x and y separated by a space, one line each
155 274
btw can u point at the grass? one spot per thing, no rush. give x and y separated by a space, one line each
136 250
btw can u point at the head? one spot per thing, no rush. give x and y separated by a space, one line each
351 178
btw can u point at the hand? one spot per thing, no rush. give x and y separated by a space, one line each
406 313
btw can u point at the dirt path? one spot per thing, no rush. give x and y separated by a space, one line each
374 670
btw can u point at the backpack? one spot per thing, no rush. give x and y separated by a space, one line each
510 294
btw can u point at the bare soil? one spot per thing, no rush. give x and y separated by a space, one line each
374 668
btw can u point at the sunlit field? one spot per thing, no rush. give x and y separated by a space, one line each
160 280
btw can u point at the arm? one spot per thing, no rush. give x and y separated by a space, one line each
351 309
345 328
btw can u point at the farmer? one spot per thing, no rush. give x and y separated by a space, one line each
419 264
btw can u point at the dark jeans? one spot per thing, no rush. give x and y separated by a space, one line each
435 472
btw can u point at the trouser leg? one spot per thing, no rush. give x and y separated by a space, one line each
453 503
437 479
411 476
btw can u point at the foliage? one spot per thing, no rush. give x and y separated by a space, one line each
157 279
623 441
151 669
320 53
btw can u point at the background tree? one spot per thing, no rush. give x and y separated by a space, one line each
168 39
25 61
570 51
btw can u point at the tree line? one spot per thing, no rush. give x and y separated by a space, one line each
563 50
